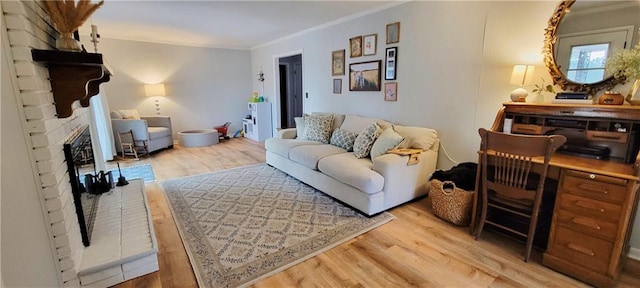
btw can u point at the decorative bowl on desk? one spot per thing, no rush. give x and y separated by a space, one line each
611 98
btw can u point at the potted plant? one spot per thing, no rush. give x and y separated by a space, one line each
626 64
540 89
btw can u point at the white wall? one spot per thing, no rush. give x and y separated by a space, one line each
205 87
454 66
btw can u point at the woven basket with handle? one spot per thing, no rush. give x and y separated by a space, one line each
451 203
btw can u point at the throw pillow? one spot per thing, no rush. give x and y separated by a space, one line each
337 119
384 124
299 127
115 115
343 139
364 141
389 139
130 114
416 137
318 128
356 123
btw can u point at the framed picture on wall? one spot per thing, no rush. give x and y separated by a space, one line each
337 62
391 63
393 33
355 46
369 44
337 86
391 91
364 76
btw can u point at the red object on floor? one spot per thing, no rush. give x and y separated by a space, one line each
222 129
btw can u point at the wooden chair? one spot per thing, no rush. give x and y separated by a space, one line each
504 183
130 146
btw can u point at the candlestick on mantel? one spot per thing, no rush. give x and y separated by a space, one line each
94 37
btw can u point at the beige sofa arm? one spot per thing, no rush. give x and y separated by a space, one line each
289 133
400 176
158 121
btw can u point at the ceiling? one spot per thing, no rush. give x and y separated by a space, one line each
220 24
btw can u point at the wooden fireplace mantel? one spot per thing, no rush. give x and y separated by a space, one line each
74 76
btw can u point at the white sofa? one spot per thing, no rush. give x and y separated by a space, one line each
369 185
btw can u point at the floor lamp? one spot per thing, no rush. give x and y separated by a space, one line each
155 90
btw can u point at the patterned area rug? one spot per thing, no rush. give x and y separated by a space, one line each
244 224
144 172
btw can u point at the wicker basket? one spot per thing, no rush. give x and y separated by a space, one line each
451 203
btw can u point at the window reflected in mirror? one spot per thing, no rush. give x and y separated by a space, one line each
586 64
581 55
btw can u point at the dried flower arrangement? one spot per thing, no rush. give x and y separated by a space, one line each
68 17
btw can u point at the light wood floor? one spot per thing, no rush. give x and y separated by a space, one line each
415 250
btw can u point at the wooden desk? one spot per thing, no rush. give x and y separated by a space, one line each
596 200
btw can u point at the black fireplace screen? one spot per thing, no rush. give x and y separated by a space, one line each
78 152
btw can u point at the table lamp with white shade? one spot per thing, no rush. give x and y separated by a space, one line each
155 90
522 75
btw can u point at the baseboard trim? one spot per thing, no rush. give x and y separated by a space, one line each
633 261
634 253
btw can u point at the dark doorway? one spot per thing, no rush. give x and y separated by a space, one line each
284 95
290 69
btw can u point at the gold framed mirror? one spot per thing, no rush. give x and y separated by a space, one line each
597 14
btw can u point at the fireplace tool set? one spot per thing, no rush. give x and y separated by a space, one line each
102 182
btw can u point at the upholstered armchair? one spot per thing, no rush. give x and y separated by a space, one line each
155 130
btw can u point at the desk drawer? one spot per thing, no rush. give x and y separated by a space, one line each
617 137
591 208
526 129
595 186
581 249
587 225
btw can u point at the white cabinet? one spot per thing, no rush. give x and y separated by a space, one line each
258 127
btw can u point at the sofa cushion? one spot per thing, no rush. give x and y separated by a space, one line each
343 139
364 141
309 155
416 137
356 123
282 146
158 132
388 139
352 171
318 128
